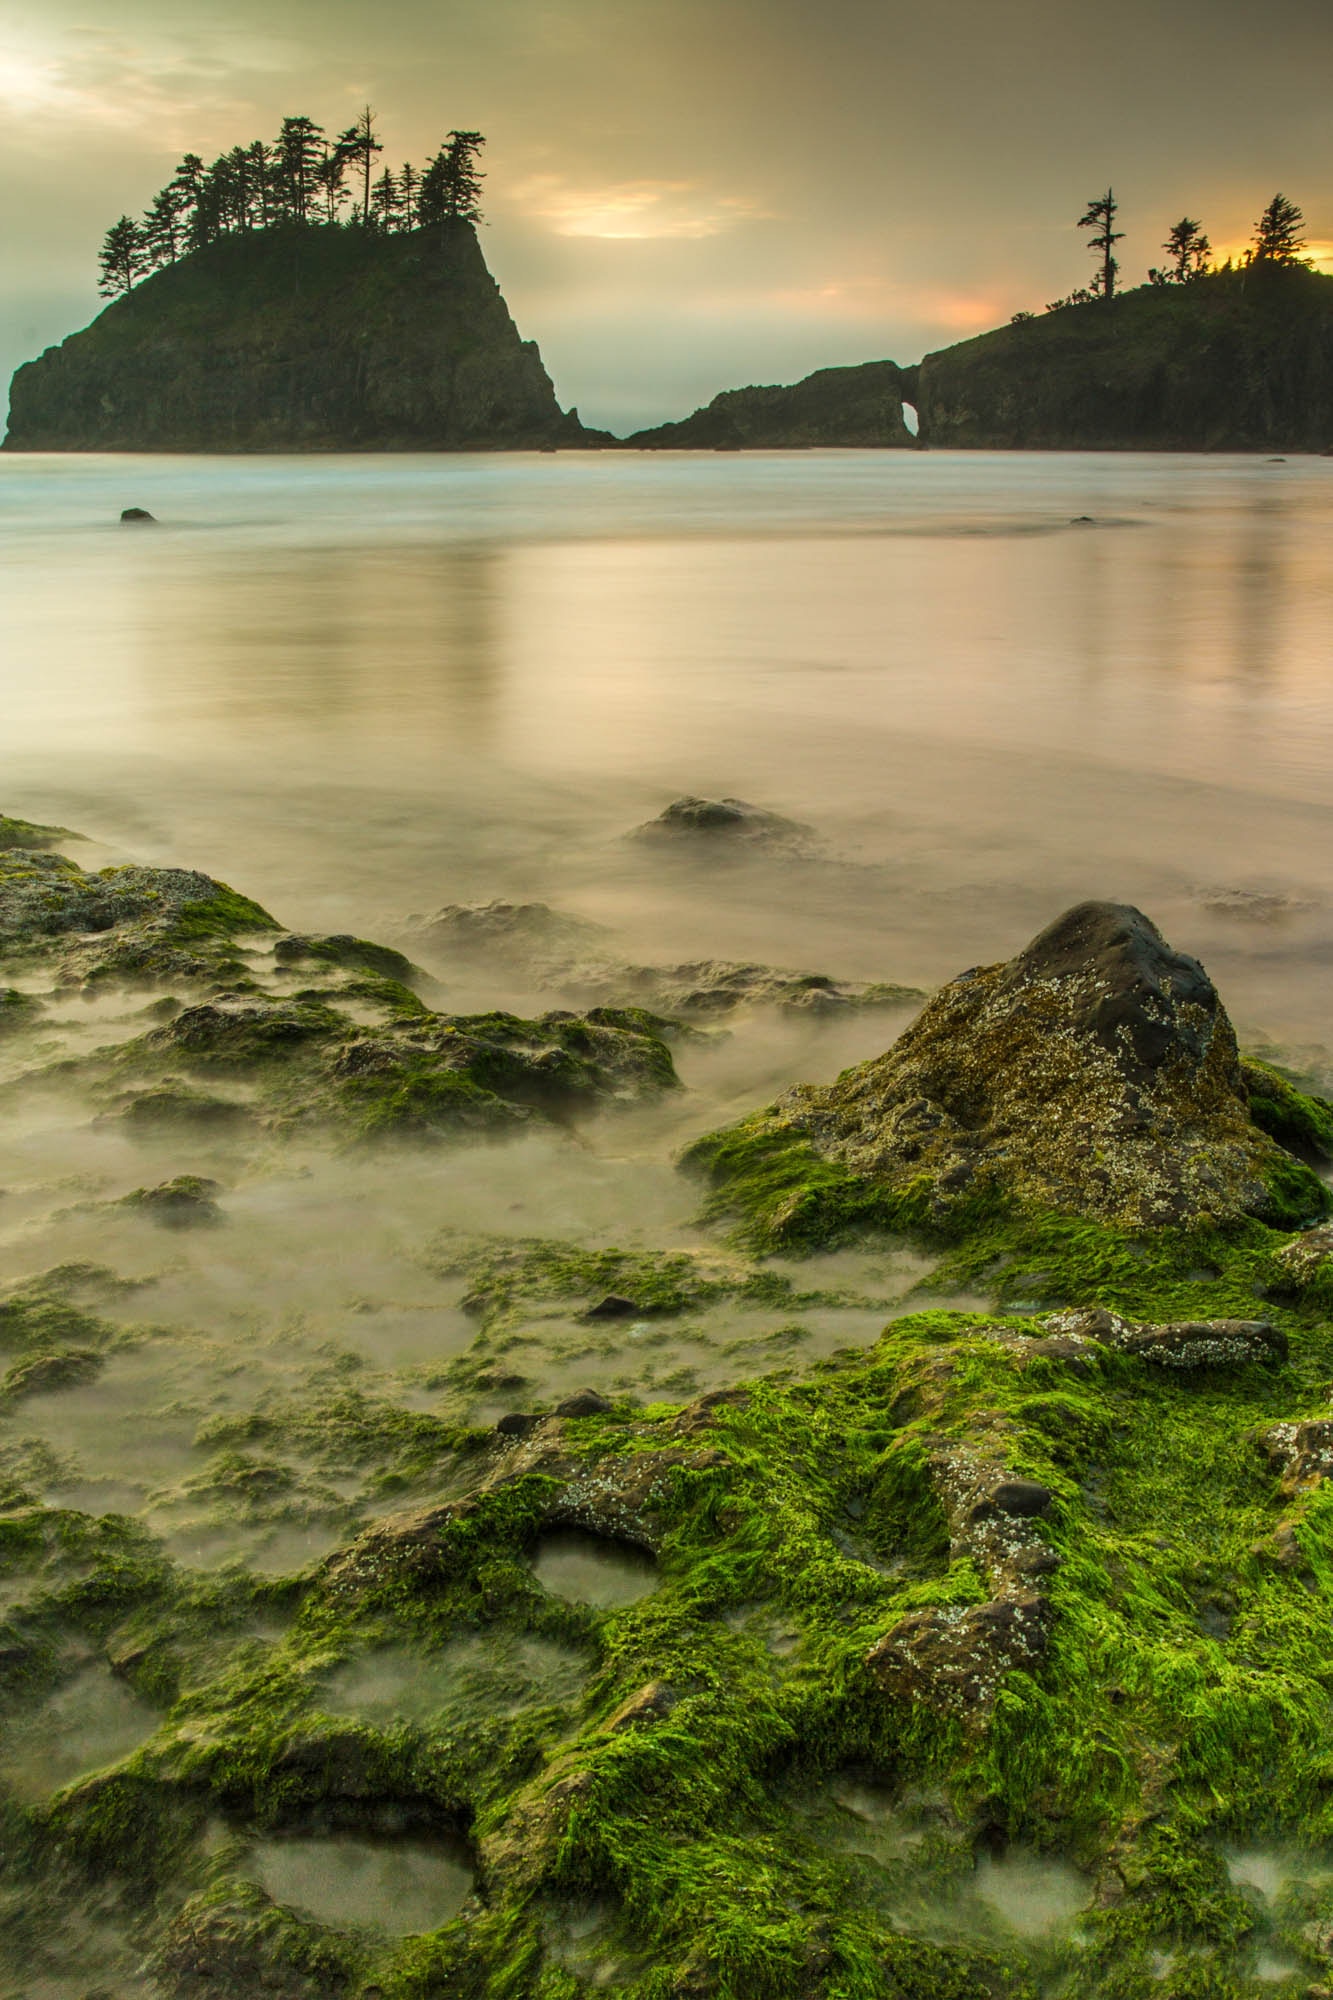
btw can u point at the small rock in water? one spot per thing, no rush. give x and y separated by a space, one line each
731 820
137 514
1083 521
613 1307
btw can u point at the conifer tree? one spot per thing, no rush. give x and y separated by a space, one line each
123 260
463 179
451 185
1189 251
186 185
330 179
1100 216
1278 235
359 145
161 231
384 202
300 151
260 172
408 183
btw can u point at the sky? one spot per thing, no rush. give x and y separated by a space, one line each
684 196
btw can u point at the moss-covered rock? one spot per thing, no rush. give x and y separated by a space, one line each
999 1565
1008 1597
26 833
255 1056
1096 1074
127 926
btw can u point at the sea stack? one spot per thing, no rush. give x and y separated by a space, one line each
299 339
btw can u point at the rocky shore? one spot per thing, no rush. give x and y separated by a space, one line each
1016 1608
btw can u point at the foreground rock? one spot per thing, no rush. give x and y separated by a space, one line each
1095 1074
947 1552
1055 1581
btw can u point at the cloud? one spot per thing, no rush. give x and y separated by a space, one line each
633 210
89 80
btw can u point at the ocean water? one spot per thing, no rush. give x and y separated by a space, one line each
359 689
364 687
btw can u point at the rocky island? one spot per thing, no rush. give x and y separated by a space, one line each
285 332
1041 1581
1234 360
834 406
299 339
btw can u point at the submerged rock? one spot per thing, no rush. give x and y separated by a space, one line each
1094 1074
40 1373
187 1202
568 955
133 514
354 1049
724 823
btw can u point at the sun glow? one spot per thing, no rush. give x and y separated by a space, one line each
1318 251
27 84
632 210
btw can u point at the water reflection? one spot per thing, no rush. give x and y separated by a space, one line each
340 644
361 687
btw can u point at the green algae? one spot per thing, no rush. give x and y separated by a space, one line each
21 834
1297 1119
675 1782
778 1192
1145 1740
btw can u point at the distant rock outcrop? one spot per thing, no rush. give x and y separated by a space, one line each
310 339
1238 361
835 406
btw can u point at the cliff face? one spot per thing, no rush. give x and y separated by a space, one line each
836 406
290 340
1242 360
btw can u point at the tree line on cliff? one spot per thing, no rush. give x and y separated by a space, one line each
1278 239
302 179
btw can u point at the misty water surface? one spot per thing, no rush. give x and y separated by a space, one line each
360 689
363 687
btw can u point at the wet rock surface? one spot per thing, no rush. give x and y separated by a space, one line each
1214 1343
